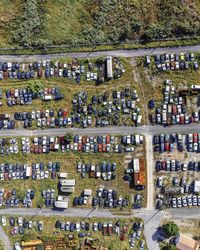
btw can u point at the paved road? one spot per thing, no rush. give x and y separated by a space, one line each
124 53
146 130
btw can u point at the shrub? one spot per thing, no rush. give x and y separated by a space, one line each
170 229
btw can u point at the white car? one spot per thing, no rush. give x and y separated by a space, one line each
20 221
60 73
78 226
95 226
3 221
88 76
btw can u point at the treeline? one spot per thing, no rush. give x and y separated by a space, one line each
110 21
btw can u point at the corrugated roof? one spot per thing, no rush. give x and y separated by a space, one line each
186 243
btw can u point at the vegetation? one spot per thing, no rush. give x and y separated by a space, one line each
33 22
170 229
35 87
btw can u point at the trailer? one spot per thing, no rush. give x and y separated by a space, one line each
109 69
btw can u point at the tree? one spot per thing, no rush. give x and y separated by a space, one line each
69 137
170 229
171 247
35 87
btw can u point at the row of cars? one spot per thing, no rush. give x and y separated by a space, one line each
11 199
26 96
49 197
16 171
166 142
176 165
104 170
96 144
186 201
107 108
178 61
108 198
172 109
19 225
70 70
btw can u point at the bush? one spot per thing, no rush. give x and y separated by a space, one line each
170 229
28 29
35 87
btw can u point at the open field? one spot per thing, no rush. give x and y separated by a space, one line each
50 234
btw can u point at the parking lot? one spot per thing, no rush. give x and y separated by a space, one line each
75 231
177 172
44 175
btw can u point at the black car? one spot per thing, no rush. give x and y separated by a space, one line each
57 225
12 222
75 202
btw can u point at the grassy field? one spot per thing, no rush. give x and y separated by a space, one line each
82 22
50 234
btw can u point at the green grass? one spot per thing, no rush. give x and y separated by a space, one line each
84 22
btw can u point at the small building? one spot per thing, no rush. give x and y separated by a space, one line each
186 243
196 186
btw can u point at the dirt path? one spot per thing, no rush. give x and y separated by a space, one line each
4 238
150 168
137 79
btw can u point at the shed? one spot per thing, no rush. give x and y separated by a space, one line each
186 243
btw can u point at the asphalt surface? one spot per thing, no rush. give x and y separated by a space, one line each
145 129
124 53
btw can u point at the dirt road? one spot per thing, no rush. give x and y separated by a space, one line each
150 168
